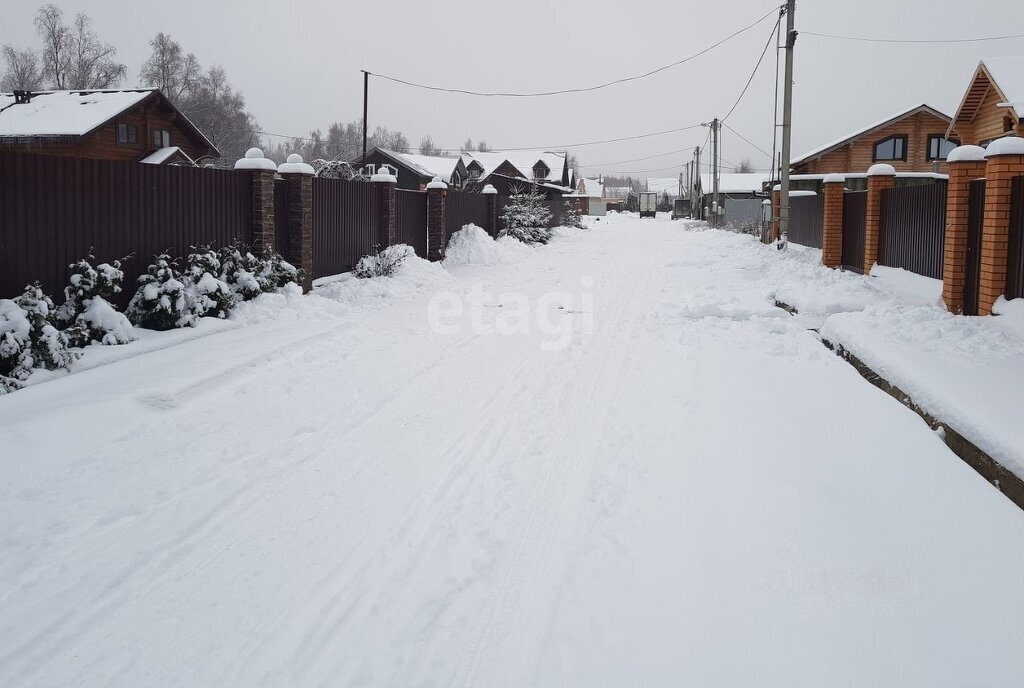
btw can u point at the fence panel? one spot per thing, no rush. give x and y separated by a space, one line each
855 211
557 208
1015 261
913 228
975 221
347 224
411 218
281 220
806 217
462 208
56 208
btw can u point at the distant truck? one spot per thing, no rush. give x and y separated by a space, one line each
680 208
648 204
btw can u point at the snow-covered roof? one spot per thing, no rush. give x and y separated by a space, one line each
593 187
428 165
1008 73
735 182
523 161
65 113
162 155
821 150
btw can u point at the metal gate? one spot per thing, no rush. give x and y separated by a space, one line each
855 212
1015 260
975 221
806 216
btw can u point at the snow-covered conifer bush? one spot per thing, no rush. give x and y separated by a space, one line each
275 272
29 339
207 293
526 217
86 314
238 269
160 302
385 263
571 216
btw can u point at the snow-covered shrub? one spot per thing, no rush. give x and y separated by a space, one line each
207 293
275 272
86 314
238 268
29 339
385 263
571 216
526 217
160 302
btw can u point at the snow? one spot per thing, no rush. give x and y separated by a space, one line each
295 165
881 169
428 165
254 160
966 153
384 177
438 183
472 245
521 160
489 190
594 188
1008 145
100 315
65 113
834 179
162 155
335 489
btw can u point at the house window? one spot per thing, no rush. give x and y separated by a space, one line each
474 173
939 146
892 148
161 138
127 133
1007 125
540 172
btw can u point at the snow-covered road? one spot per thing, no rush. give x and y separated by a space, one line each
663 481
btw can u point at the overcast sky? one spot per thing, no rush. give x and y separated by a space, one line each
299 64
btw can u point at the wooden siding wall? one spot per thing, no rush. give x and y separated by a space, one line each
858 155
56 209
988 123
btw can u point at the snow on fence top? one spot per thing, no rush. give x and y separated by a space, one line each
295 165
834 179
438 183
966 154
489 190
1009 145
64 113
882 169
254 160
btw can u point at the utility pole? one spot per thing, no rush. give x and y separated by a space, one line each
787 125
714 170
697 183
366 90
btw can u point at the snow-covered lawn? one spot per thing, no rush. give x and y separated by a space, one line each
608 461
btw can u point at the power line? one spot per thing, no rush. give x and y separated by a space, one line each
756 66
747 140
911 40
635 172
576 90
649 157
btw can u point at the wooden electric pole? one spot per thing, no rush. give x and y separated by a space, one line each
714 172
366 89
787 125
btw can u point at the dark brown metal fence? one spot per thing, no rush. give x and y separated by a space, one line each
557 208
855 212
1015 260
462 208
281 244
347 224
806 216
975 221
54 209
411 218
913 228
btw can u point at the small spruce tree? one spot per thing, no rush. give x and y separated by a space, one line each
208 294
86 314
29 338
526 217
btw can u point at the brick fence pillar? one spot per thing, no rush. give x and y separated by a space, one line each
262 172
965 163
832 221
299 250
437 239
388 217
776 212
880 177
1004 161
492 209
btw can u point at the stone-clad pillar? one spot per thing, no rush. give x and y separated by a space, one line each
965 163
389 222
832 221
776 211
1004 160
437 239
880 177
262 171
299 250
492 209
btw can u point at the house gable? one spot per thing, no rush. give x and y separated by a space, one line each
980 117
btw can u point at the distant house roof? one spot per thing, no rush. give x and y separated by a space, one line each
1006 75
53 114
522 161
429 165
593 188
838 143
163 156
734 182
